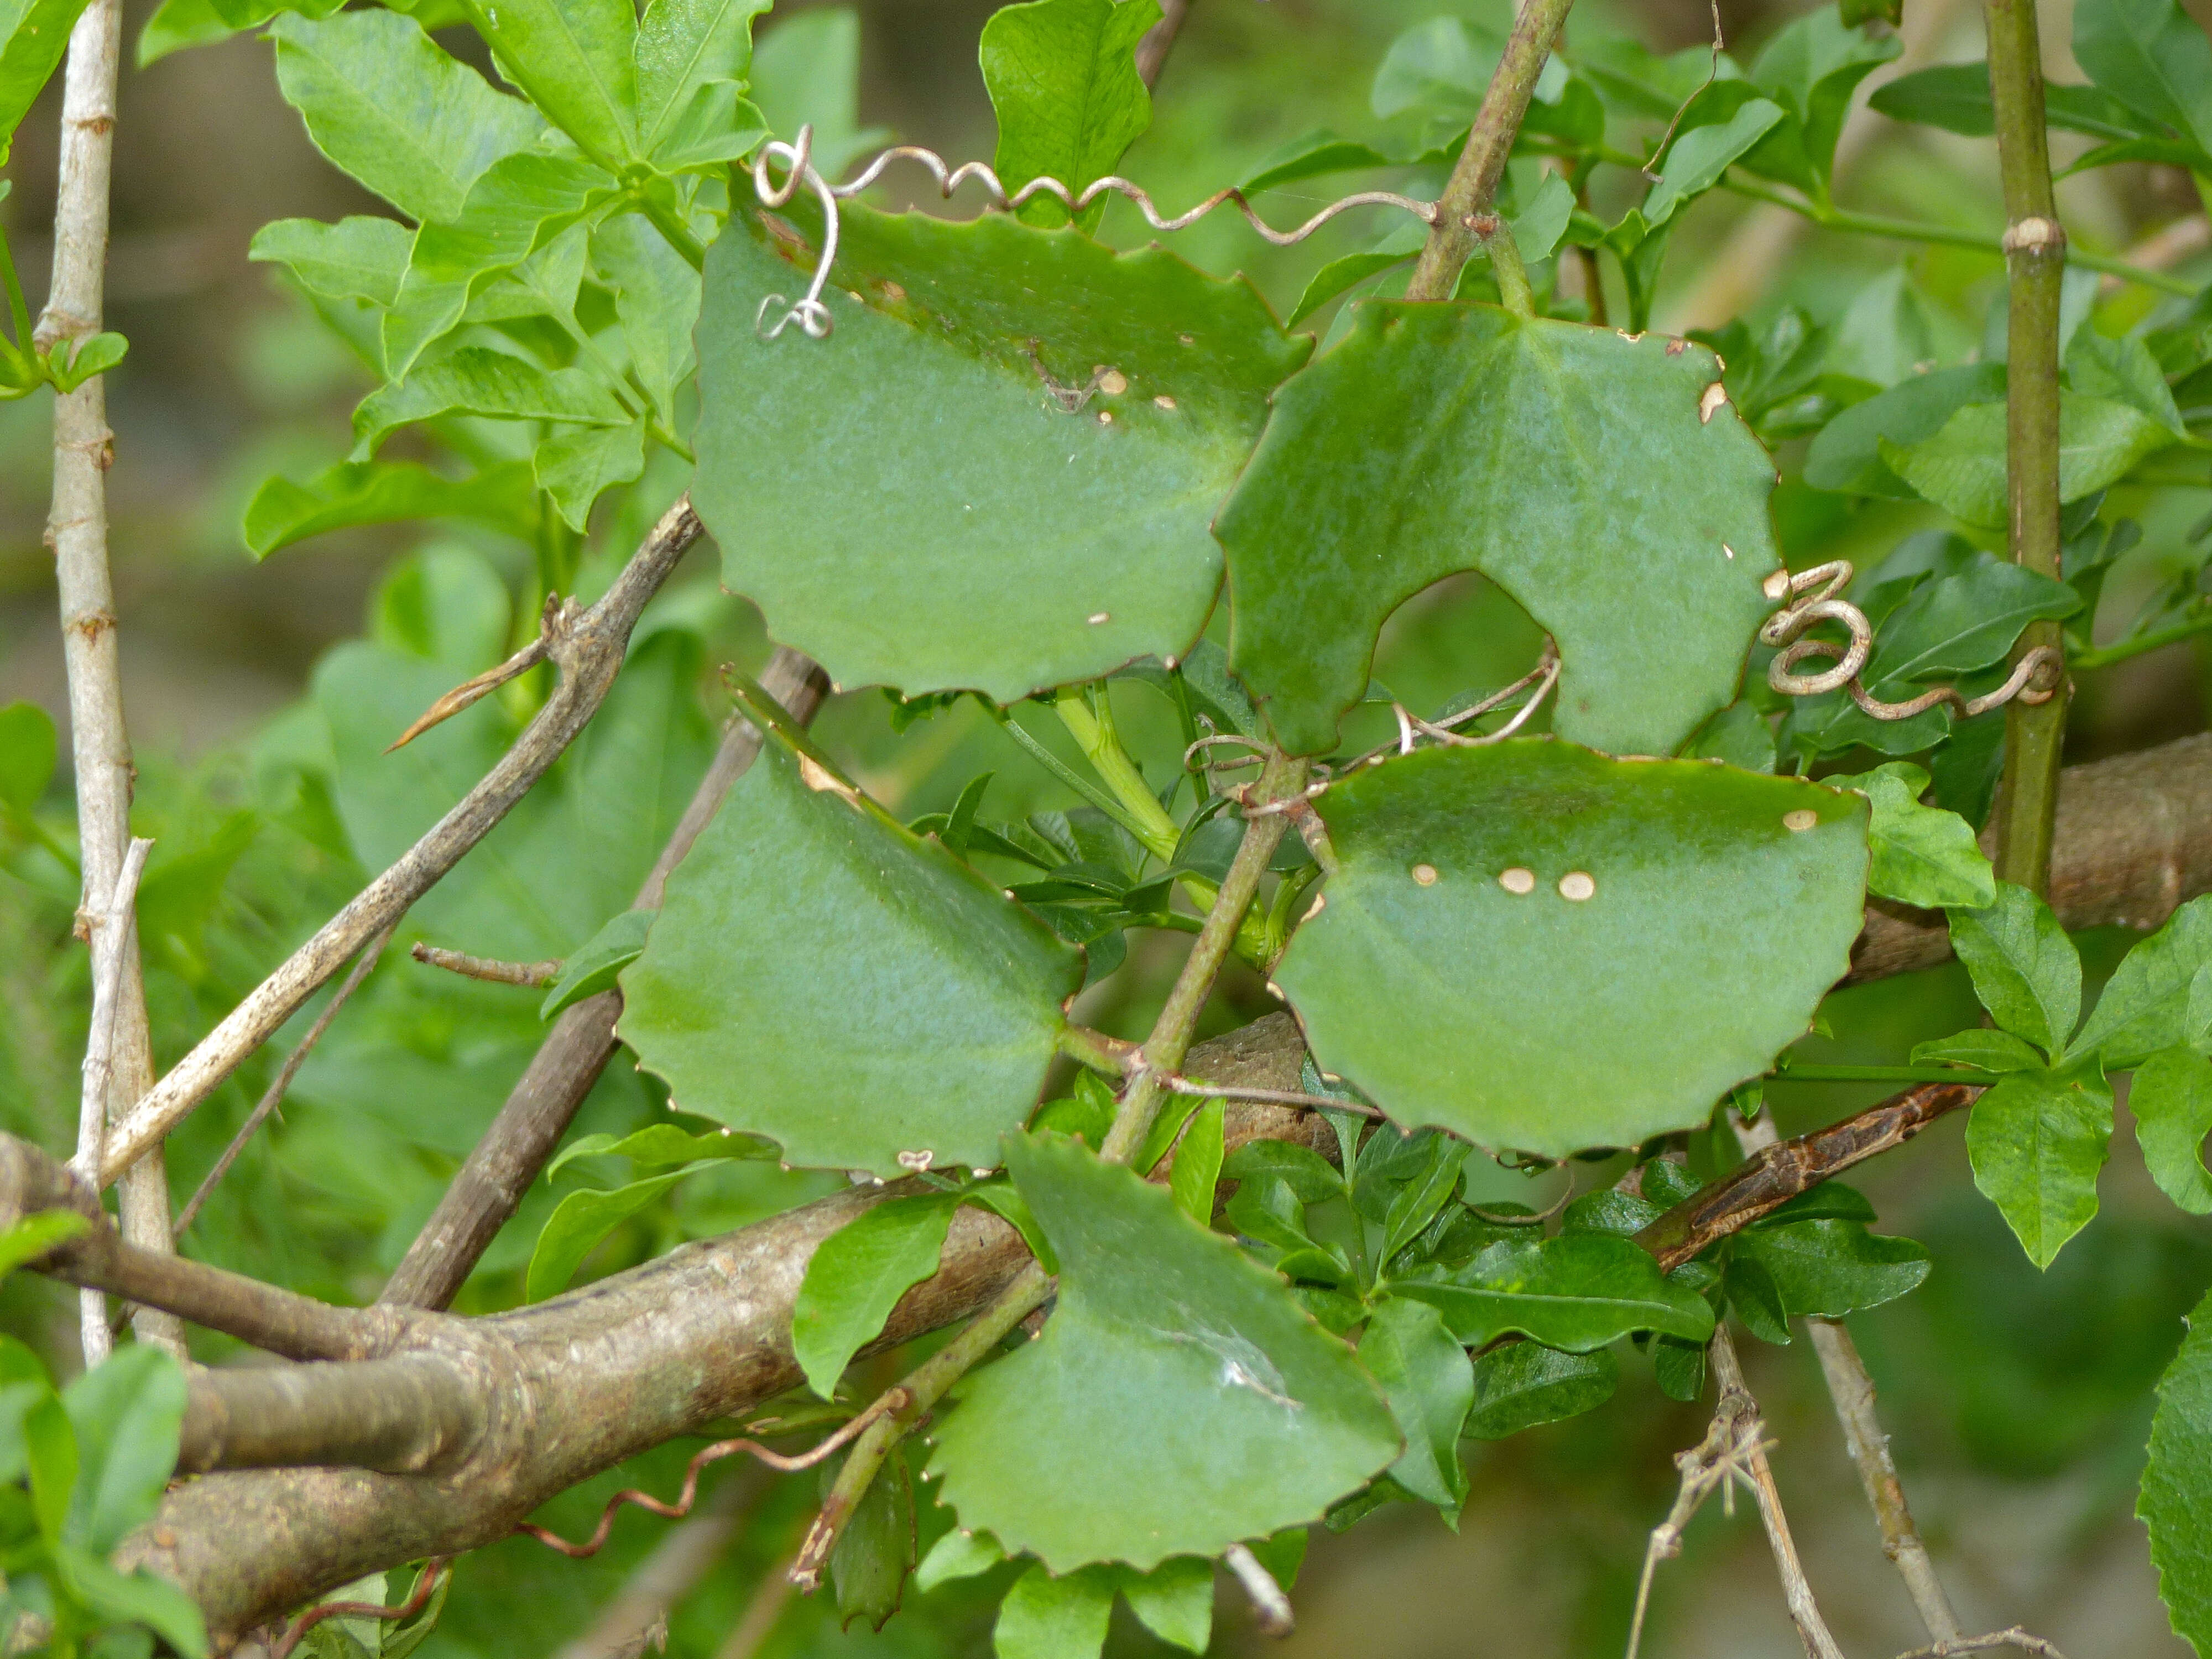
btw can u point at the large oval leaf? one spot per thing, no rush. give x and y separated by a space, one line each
821 975
997 473
1453 975
1168 1337
1598 479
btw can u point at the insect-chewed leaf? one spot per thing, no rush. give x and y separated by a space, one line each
1540 948
1008 423
1591 476
1167 1337
821 976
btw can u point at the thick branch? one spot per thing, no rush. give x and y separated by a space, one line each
1474 179
489 1187
408 1413
589 654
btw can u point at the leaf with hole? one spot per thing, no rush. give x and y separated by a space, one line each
1044 428
820 974
1593 957
1254 1419
855 1278
1553 457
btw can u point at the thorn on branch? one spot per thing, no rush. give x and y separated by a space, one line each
554 626
532 974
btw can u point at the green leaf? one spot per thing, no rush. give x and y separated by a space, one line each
2124 371
1964 620
1254 1418
1083 540
28 754
875 1552
2026 971
579 1222
958 1554
2170 1097
1062 75
520 206
1962 467
820 974
385 103
683 46
1831 1267
1534 1021
50 1451
1173 1601
177 24
2154 57
1992 1051
361 258
576 60
1921 854
1812 67
1339 275
70 363
1310 1175
660 1145
2036 1140
1197 1162
1956 98
592 967
125 1413
1442 67
1551 456
1047 1618
33 36
1847 455
386 492
806 72
2177 1482
1429 1384
1312 156
1576 1291
1696 161
577 466
1522 1384
478 380
855 1278
2145 1006
1678 1368
138 1598
656 301
36 1236
1740 735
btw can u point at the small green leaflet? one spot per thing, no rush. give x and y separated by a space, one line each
658 1146
1696 161
1961 467
2026 971
855 1278
1847 455
1519 1385
1426 1375
576 60
1989 1050
958 1554
1197 1162
2170 1097
1830 1267
684 48
1047 1618
2177 1484
386 104
354 493
820 974
2146 1004
1553 457
875 1552
592 966
36 1236
2154 57
1048 427
577 1226
478 380
2038 1141
1168 1334
33 36
1921 854
1062 75
1577 1292
361 258
1540 949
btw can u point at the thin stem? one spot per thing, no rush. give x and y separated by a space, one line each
1474 182
1513 289
1879 1074
1101 798
678 233
1917 230
2137 645
488 969
116 929
1092 729
2035 265
18 310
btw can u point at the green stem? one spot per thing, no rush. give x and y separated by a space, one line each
18 309
1067 774
1092 729
1474 183
2035 265
1914 230
1876 1074
1513 289
678 234
1171 1037
1095 1049
2136 645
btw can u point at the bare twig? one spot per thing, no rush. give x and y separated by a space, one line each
1271 1608
1852 1390
588 650
488 968
1159 40
273 1096
2015 1637
555 619
1804 1612
1718 1463
759 1622
1182 1085
113 934
544 1101
77 530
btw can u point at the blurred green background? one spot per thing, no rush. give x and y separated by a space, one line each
2019 1401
